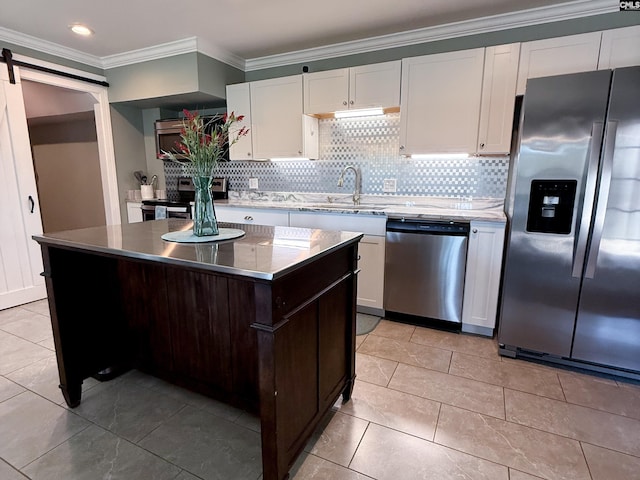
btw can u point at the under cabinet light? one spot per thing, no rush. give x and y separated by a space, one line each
442 156
362 112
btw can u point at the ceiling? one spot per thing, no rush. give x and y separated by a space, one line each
244 29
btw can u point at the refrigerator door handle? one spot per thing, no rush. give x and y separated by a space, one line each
603 198
589 197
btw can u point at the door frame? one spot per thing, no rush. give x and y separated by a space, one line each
102 115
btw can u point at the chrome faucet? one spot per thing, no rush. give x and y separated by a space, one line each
358 187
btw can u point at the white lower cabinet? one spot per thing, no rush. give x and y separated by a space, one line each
370 250
134 212
256 216
371 277
482 278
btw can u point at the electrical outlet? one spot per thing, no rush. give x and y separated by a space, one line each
389 185
253 183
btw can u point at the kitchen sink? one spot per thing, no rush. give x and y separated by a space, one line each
339 206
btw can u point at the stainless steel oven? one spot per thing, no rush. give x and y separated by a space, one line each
156 209
168 134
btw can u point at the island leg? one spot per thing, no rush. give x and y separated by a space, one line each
72 393
348 390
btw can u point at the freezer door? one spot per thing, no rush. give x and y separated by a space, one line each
561 137
608 323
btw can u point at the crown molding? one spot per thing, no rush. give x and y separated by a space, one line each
187 45
211 50
535 16
50 48
523 18
177 47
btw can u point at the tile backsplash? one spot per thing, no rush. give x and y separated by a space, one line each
372 143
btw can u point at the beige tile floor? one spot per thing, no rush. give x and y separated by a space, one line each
427 405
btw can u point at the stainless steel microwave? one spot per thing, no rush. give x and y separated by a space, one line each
168 134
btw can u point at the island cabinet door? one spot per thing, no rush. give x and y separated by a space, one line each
144 294
199 328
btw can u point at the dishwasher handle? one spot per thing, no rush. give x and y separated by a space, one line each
429 227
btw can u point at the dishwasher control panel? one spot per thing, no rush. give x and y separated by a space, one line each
433 227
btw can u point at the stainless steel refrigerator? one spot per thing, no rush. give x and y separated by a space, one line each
571 284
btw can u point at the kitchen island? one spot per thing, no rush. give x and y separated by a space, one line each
265 322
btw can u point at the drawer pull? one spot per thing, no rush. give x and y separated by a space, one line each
248 218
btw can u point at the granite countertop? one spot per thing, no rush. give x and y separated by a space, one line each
427 208
264 252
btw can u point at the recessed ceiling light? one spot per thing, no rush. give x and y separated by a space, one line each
80 29
358 113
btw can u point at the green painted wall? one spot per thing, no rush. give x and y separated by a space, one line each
156 78
196 77
523 34
214 76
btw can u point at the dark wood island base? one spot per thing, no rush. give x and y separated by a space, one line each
280 343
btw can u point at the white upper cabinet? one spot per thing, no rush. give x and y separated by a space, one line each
440 102
376 85
278 127
276 116
557 56
239 102
498 98
620 48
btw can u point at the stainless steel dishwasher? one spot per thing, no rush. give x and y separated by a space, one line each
424 268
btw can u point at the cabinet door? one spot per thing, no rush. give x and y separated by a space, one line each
257 216
376 85
276 117
498 98
239 102
440 102
371 277
371 248
134 212
326 91
620 48
556 56
482 278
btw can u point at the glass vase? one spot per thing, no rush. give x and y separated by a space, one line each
204 215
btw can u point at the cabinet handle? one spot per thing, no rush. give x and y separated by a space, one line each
482 145
351 102
299 152
249 218
475 230
344 103
248 154
32 204
401 147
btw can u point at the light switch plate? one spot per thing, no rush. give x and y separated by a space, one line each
389 185
253 183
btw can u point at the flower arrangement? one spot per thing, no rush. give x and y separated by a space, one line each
204 143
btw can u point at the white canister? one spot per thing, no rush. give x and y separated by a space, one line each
147 192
